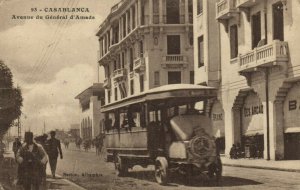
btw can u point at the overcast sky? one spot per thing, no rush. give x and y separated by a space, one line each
51 60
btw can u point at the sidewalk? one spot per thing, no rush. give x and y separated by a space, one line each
282 165
58 183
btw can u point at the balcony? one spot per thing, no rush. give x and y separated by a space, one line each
139 64
107 83
268 55
226 9
119 74
246 3
174 61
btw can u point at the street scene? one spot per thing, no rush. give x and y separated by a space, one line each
149 94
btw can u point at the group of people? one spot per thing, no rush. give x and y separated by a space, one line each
32 157
236 151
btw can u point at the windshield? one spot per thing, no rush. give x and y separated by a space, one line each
184 126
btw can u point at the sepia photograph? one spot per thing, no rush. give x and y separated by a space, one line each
149 94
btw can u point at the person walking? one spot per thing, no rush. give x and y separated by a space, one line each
30 157
54 148
16 145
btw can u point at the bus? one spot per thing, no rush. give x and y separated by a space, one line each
164 128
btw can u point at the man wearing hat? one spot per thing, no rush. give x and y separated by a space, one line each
53 149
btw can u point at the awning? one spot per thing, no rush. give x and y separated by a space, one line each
292 130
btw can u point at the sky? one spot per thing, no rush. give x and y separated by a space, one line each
52 61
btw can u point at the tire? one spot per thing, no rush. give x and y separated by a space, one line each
161 173
120 166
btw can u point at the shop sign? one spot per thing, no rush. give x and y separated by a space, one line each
217 116
254 110
292 105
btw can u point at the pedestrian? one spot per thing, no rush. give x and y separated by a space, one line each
54 148
42 140
31 156
233 153
16 145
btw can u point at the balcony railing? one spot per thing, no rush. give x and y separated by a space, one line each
176 61
119 74
139 64
226 9
107 83
264 56
246 3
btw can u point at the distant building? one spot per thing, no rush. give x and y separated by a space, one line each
75 131
90 101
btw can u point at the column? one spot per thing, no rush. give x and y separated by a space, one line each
276 130
100 53
126 23
107 41
111 36
120 29
139 17
150 12
122 23
161 16
136 14
131 19
186 11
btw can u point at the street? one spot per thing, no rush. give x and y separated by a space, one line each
92 172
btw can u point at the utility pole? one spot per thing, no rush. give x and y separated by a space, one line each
44 127
19 127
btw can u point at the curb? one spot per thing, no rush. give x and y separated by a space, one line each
70 182
263 167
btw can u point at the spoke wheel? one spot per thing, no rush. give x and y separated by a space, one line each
160 173
120 166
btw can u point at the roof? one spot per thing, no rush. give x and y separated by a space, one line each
165 92
95 90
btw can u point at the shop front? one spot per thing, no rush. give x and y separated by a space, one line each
252 134
292 124
217 116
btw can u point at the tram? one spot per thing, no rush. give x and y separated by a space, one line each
162 127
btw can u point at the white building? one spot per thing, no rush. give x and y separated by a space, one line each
145 44
90 101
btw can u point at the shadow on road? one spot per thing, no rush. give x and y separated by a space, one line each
196 181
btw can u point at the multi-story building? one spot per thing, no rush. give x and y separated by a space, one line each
91 119
145 44
260 83
207 61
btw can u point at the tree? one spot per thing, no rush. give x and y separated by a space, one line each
10 99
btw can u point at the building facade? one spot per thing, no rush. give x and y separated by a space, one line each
260 86
90 101
207 61
145 44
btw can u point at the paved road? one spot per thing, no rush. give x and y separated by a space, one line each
84 163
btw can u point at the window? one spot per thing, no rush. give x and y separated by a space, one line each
256 29
128 23
173 44
278 30
131 87
172 11
142 83
200 51
108 96
190 10
192 75
174 77
131 60
141 49
155 11
143 15
199 6
123 59
133 16
156 78
115 65
116 94
233 41
124 26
